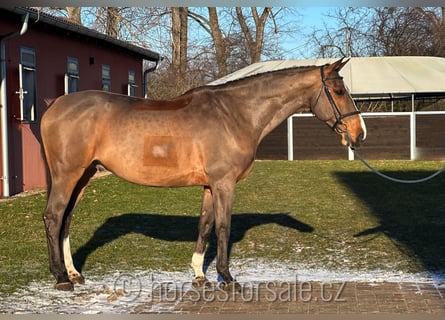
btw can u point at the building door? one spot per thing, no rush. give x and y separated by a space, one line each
25 146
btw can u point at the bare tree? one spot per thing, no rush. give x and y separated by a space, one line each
238 34
223 39
254 35
179 33
107 20
74 14
112 21
402 31
436 17
346 38
222 46
382 32
212 27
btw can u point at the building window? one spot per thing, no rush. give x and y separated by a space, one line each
106 77
131 83
72 75
27 84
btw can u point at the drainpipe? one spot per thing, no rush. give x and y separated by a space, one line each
146 72
3 105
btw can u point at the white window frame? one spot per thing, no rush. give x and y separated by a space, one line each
71 75
131 83
106 77
28 67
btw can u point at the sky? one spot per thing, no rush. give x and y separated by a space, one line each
311 18
294 45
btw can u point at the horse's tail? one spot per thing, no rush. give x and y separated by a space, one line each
49 102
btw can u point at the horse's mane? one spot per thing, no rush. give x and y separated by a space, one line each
184 99
265 73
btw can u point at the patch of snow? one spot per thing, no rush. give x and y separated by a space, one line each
124 292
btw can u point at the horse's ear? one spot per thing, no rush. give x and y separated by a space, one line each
337 65
341 64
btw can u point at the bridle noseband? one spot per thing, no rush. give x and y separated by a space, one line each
338 115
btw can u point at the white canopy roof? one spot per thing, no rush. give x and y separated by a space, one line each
370 76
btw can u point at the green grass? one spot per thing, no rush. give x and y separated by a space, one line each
322 214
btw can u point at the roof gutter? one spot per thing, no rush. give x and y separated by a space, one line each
4 106
65 25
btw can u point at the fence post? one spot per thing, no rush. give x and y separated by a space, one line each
290 138
412 131
350 154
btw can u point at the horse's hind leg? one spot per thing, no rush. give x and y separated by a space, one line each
73 274
59 207
53 216
205 227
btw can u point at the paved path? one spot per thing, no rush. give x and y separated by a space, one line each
301 298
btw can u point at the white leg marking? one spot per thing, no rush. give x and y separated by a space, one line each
197 264
68 259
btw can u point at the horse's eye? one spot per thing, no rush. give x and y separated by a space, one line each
339 92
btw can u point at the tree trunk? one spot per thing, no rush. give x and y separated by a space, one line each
255 43
442 33
221 50
183 43
112 22
74 14
179 42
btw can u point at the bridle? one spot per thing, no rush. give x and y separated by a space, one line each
337 114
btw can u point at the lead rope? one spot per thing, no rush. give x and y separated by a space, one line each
395 179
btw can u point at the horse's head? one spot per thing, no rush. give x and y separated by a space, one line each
334 105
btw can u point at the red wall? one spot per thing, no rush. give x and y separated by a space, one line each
27 169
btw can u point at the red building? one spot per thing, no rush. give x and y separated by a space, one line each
41 59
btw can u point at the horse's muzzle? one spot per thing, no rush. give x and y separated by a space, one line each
352 142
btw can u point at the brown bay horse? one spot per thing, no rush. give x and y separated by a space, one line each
207 137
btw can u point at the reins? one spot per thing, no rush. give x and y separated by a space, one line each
339 117
406 181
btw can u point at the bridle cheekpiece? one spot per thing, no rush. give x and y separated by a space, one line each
338 115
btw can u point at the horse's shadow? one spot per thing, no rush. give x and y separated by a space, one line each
410 215
178 228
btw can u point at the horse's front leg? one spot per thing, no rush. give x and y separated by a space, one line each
223 195
206 221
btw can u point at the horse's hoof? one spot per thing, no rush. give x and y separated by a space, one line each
64 286
232 286
199 282
77 279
